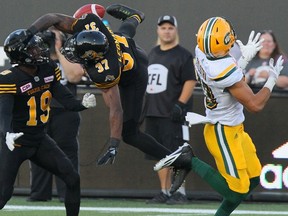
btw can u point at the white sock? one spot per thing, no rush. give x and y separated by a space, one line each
182 190
165 191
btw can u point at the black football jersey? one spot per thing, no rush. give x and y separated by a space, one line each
119 64
31 99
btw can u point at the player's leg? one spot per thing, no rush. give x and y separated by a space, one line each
153 127
123 12
41 184
131 18
185 157
132 96
64 129
254 170
227 207
172 134
10 162
50 157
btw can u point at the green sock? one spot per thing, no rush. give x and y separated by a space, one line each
211 176
231 199
214 179
227 207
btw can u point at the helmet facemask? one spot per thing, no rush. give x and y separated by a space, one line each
86 47
36 52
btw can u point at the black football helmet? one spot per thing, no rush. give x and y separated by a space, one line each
36 52
86 47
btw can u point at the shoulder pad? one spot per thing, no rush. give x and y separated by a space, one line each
219 69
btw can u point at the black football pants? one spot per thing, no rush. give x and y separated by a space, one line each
49 156
132 97
63 127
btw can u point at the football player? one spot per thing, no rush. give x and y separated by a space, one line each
25 94
226 94
115 64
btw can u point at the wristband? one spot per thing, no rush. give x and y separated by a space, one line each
242 63
270 83
182 105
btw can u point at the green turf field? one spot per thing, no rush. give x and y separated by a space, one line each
18 206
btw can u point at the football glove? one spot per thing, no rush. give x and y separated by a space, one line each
111 153
274 72
250 49
21 40
10 139
178 112
89 100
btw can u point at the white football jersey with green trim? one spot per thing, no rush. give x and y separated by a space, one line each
215 75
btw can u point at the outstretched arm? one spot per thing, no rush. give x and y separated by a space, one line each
252 102
112 100
256 102
60 21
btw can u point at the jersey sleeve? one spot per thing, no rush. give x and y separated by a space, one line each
6 109
225 72
7 83
66 98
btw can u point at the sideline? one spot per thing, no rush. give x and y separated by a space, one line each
160 210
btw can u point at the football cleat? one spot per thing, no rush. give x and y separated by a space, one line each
177 199
123 12
181 158
179 175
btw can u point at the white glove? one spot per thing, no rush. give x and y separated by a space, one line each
89 100
250 49
10 139
274 72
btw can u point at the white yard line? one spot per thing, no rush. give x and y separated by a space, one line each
160 210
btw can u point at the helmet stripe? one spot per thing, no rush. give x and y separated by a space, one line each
207 36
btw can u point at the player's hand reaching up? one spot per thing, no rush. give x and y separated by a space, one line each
250 49
276 69
274 72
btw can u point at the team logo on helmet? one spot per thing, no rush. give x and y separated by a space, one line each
109 78
91 54
227 38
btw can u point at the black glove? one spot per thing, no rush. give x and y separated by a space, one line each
179 111
21 40
110 153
